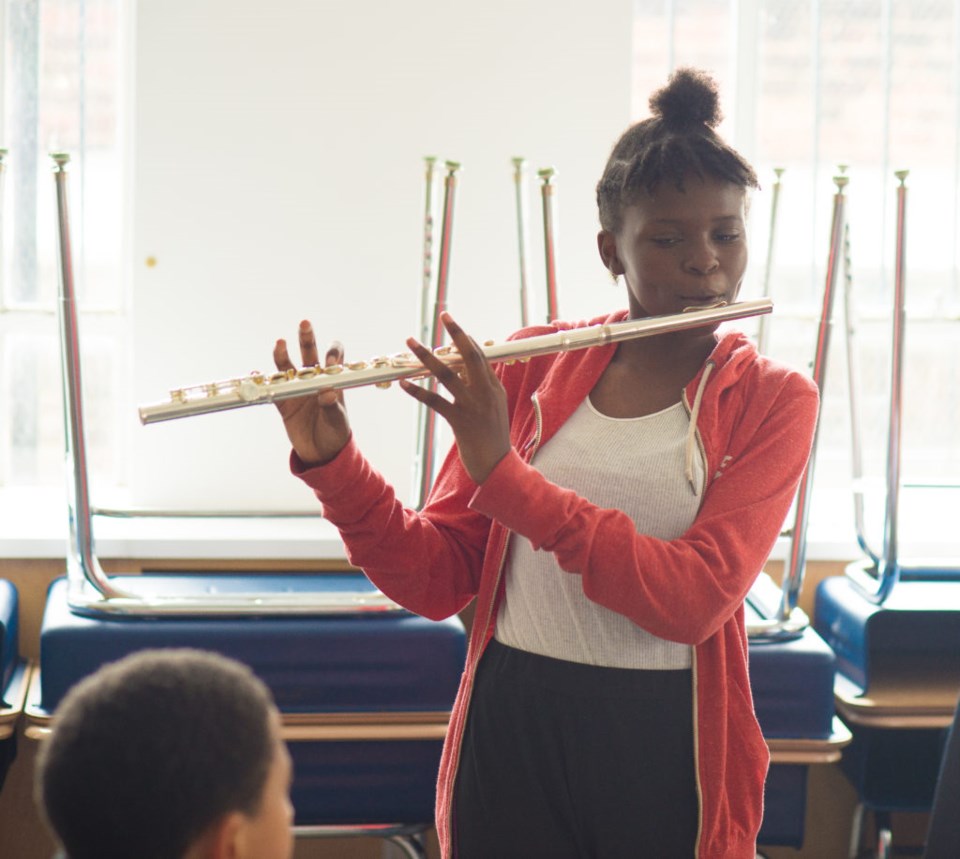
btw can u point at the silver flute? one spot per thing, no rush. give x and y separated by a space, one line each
260 388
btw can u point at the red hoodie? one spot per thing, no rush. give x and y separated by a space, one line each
753 421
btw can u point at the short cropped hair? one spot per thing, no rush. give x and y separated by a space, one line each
149 751
677 141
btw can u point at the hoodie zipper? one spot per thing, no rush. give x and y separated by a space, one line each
531 447
696 722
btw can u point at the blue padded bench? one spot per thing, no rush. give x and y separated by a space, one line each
792 684
13 676
365 698
898 679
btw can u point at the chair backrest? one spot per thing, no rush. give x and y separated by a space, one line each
943 836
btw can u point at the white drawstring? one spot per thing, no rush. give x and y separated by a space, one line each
691 447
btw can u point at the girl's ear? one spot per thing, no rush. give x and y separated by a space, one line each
607 245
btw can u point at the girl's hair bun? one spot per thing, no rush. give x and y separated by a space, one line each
691 98
678 142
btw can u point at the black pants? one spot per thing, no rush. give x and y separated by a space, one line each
568 761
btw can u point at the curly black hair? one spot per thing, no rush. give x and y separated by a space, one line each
149 751
678 140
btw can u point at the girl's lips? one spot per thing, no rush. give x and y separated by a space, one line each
703 300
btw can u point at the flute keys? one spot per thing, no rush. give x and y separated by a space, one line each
257 387
248 389
357 365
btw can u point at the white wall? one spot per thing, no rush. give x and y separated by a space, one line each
278 174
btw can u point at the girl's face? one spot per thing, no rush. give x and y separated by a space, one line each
679 249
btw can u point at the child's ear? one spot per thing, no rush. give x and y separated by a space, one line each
223 839
607 245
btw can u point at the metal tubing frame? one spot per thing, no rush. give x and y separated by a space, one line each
82 563
853 391
887 566
794 567
426 286
409 838
90 591
763 331
547 194
3 165
426 443
519 174
426 299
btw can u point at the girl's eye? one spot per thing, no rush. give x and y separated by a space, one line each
665 241
728 237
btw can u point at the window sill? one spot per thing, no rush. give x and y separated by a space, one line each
33 524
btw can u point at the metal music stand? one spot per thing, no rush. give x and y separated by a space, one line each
88 600
91 591
788 620
895 628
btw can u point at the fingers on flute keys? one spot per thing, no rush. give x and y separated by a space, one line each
475 362
309 357
473 367
310 354
477 414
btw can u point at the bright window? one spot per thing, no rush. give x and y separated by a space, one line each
809 85
62 91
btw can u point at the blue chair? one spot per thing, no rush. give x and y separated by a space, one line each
364 687
364 696
792 678
791 668
894 626
898 675
13 677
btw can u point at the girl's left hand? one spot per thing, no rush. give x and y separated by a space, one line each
477 414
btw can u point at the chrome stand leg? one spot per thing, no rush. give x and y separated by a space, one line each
407 837
410 845
884 845
856 831
884 842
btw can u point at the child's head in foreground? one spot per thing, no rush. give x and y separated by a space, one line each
168 754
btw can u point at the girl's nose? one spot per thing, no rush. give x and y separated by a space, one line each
702 258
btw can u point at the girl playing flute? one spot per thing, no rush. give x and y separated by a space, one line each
608 510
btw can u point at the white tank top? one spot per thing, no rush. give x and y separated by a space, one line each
631 464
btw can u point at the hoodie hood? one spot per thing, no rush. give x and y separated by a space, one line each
559 381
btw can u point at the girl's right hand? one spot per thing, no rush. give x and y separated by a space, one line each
316 424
